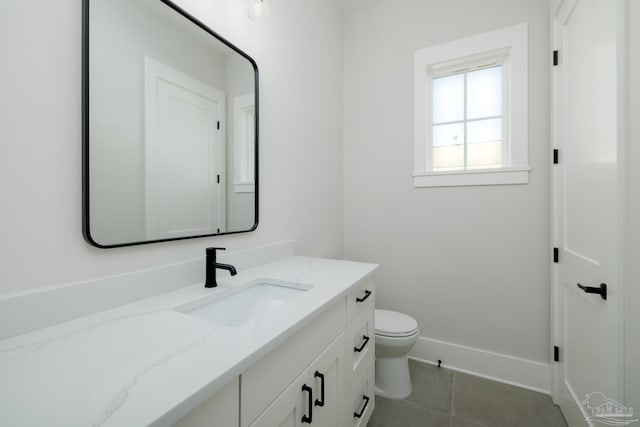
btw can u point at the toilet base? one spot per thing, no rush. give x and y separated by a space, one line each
392 377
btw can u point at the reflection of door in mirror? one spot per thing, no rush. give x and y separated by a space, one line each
184 152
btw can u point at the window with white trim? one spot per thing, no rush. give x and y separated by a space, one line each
471 110
244 147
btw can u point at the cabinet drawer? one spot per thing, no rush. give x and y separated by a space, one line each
360 298
361 402
360 347
262 383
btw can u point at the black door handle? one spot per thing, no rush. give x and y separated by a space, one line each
320 402
308 419
600 290
364 407
364 343
367 294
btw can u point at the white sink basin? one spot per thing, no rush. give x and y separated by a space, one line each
246 304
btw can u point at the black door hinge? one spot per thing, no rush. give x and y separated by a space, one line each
555 156
218 125
555 58
556 255
218 179
218 230
556 353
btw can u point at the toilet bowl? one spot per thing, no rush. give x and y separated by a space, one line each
395 335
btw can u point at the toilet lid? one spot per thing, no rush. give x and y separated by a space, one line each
394 324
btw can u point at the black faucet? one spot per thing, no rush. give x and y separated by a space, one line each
212 266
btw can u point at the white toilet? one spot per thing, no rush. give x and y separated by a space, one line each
396 333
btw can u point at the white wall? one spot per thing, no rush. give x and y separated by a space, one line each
471 264
298 52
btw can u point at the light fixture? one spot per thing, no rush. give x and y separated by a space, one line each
259 9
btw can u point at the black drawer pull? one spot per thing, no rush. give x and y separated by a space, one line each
364 343
320 402
600 290
367 294
308 419
364 407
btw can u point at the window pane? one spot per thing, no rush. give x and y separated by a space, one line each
448 147
448 134
484 148
448 98
484 131
484 93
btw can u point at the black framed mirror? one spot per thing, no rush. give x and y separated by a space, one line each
170 127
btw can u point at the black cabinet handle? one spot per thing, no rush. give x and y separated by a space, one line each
600 290
308 419
364 407
364 343
320 402
367 294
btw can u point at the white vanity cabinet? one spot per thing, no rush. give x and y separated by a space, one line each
321 374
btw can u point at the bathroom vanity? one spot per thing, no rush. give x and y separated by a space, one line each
289 343
307 377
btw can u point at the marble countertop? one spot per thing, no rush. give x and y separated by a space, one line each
146 363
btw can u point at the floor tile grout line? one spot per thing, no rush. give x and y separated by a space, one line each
471 421
453 386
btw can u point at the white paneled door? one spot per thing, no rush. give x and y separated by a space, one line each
587 327
184 144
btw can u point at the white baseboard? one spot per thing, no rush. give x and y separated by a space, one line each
38 308
499 367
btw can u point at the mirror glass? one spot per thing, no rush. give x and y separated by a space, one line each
170 127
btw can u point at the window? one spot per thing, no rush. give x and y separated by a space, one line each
244 148
471 111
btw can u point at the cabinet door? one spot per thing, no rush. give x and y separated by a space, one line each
316 397
289 409
329 388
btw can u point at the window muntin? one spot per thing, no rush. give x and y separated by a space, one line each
467 123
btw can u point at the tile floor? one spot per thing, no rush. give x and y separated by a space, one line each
445 398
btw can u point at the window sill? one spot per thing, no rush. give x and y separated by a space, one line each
503 176
244 187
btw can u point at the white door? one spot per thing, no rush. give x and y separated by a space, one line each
586 327
184 146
